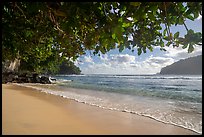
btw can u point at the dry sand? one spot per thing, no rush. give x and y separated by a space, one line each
27 111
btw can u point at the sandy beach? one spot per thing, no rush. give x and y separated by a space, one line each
26 111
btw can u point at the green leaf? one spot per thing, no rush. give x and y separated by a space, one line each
151 16
177 43
166 38
139 51
121 48
189 11
176 35
120 20
103 50
189 16
29 33
125 25
162 49
164 32
168 43
161 43
144 49
150 48
181 40
196 14
154 8
135 4
180 21
190 31
197 37
128 47
190 48
113 36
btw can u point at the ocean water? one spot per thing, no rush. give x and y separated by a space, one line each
169 99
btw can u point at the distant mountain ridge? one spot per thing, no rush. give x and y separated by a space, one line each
189 66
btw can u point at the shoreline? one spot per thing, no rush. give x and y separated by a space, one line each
27 112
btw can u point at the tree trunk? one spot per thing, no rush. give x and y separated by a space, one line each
11 65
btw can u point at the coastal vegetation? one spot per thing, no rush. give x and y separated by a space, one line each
68 68
39 36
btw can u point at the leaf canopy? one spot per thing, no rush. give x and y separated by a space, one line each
41 32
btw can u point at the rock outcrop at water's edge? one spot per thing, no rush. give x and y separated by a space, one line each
189 66
11 76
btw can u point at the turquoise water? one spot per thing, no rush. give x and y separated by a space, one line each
170 99
181 88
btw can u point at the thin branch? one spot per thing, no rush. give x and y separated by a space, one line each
167 29
181 16
56 24
104 10
20 9
167 26
185 26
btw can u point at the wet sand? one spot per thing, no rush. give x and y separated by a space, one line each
27 111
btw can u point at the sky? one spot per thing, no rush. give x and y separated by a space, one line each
129 63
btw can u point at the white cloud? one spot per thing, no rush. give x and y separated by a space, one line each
88 59
126 64
158 62
178 53
199 17
130 37
104 57
129 64
122 58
